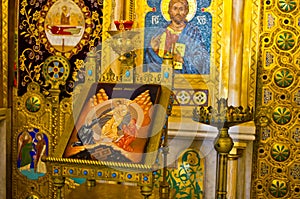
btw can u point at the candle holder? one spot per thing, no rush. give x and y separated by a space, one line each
123 25
223 118
122 43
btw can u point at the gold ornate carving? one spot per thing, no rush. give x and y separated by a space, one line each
99 163
107 24
43 106
254 14
4 54
277 114
30 114
66 106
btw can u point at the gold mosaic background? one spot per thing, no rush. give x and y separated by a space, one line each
276 167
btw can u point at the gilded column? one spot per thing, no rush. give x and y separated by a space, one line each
125 10
4 54
236 53
5 121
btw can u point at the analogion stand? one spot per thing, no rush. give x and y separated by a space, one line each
61 166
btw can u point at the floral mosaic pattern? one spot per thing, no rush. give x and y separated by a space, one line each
285 41
33 104
278 188
191 97
282 115
280 152
287 5
279 46
56 68
200 98
283 78
183 97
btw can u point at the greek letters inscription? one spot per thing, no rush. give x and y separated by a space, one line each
201 20
155 19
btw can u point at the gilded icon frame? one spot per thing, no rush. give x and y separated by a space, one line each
193 83
216 83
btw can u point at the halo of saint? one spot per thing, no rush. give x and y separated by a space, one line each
192 9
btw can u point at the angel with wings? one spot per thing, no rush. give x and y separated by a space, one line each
39 165
25 146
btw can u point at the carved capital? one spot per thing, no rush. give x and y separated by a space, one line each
237 150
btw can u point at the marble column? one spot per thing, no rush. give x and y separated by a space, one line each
233 169
235 89
232 176
236 53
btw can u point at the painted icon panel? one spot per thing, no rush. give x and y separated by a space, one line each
64 25
115 123
32 145
182 29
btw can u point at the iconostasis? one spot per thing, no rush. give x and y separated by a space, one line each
63 47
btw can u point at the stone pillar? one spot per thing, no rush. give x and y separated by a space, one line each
236 54
232 176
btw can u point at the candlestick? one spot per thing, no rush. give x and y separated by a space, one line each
223 117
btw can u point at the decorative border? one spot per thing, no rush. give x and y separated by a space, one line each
277 115
98 163
4 55
42 120
97 172
254 49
